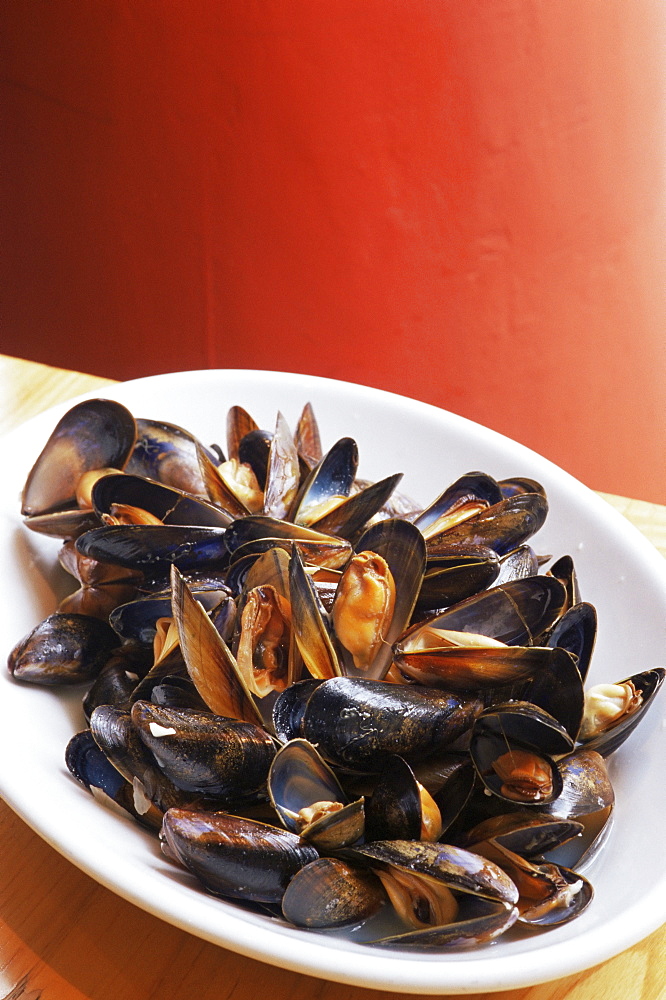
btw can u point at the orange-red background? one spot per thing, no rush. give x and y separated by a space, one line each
461 201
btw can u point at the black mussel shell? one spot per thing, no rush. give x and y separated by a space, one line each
63 649
203 753
329 893
359 724
154 548
235 857
95 434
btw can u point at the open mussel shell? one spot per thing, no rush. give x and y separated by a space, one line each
646 684
524 832
474 487
331 479
95 434
210 663
309 798
502 527
329 893
587 797
64 524
239 423
376 597
307 438
558 689
203 753
169 505
549 894
311 624
167 453
478 896
358 724
136 620
154 548
350 516
283 472
515 612
511 747
63 649
445 659
235 857
563 569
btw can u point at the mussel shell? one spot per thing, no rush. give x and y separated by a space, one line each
235 857
329 893
558 689
307 438
521 562
120 742
89 765
289 708
167 453
154 548
63 649
459 869
94 434
136 620
393 811
571 905
299 778
586 785
525 832
359 724
349 517
515 612
648 683
64 523
525 724
502 527
253 450
479 922
457 574
471 486
112 686
332 477
203 753
239 423
471 668
576 632
170 505
402 547
283 473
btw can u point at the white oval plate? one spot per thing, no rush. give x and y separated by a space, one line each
618 570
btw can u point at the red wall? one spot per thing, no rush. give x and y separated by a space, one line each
461 201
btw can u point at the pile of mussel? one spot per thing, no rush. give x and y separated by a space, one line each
329 705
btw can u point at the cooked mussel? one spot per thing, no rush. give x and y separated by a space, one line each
235 857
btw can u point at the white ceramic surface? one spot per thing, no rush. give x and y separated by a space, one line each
619 571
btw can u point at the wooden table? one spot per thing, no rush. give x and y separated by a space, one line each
64 937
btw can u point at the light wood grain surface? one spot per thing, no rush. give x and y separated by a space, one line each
64 937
